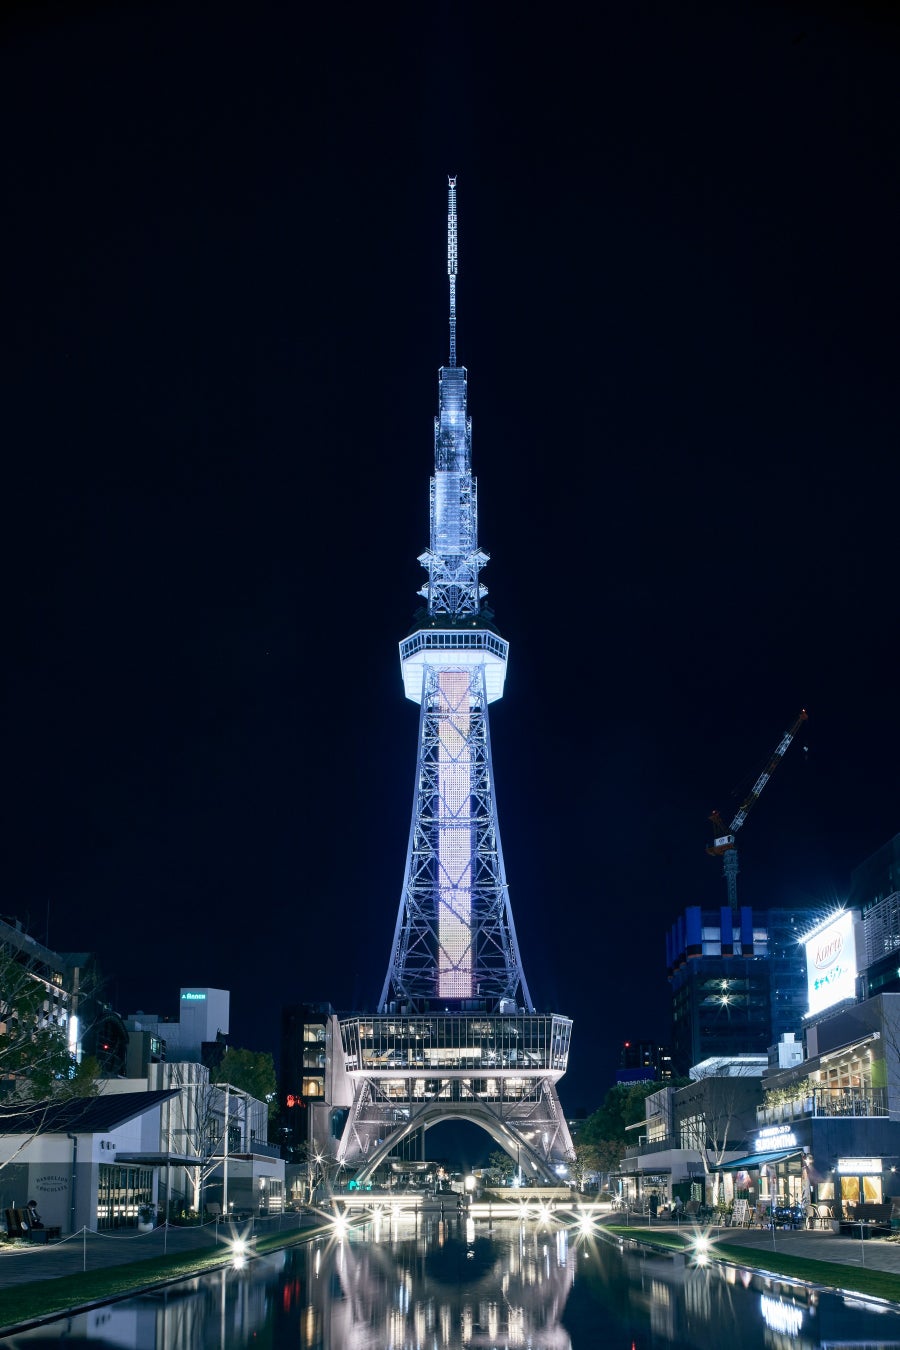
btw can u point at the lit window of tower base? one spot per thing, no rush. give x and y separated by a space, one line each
456 1035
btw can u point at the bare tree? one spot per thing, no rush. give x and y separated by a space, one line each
323 1172
197 1123
715 1113
37 1066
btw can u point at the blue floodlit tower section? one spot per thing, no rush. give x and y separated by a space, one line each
456 1031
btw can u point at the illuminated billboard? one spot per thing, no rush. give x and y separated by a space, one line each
454 842
831 963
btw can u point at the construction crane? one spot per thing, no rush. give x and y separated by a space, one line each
723 846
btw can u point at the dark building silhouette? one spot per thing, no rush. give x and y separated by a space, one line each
644 1062
738 981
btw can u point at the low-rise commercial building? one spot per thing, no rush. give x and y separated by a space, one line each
828 1129
85 1161
690 1133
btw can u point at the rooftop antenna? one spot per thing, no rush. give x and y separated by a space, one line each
452 260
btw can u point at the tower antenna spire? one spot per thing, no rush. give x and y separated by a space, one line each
452 261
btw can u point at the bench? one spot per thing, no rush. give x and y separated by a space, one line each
866 1219
19 1226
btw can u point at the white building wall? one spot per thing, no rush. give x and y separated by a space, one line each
43 1170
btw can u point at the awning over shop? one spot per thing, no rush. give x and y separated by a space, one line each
160 1159
758 1160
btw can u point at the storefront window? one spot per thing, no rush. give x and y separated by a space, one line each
850 1190
782 1183
692 1132
871 1190
846 1086
861 1190
120 1191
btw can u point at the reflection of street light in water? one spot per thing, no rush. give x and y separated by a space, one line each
239 1249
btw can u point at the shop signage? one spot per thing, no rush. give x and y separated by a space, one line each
773 1137
860 1167
189 997
831 963
48 1182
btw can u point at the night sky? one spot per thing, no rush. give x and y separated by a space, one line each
224 311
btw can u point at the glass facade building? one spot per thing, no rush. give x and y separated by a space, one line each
738 981
875 892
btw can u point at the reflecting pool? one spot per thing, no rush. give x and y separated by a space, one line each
430 1284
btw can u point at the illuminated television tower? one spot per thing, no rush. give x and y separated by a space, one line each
456 1032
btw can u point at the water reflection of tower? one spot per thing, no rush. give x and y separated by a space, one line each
410 1290
456 1034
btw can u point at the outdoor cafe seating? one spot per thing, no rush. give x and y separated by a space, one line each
818 1216
779 1215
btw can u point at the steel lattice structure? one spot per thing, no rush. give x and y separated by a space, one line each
455 958
455 937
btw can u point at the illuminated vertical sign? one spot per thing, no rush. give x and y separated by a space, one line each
831 963
454 844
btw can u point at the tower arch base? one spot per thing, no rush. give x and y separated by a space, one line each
529 1125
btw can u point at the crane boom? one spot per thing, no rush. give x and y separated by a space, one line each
777 755
723 846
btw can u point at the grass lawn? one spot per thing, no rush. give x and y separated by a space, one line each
42 1298
859 1280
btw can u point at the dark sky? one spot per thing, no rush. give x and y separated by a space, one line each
224 310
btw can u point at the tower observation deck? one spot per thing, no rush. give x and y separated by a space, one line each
456 1033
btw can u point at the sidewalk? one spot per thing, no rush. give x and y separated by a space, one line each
813 1244
24 1262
